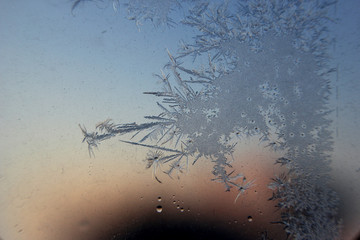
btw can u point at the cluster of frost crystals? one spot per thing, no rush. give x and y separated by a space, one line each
157 12
276 86
309 209
222 29
267 77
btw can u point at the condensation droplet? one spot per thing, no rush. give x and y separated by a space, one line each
174 202
178 207
159 199
250 219
159 209
181 209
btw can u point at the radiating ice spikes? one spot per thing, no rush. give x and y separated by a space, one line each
106 126
229 181
178 167
243 187
154 159
91 139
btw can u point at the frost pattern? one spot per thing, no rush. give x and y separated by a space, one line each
267 76
140 11
156 11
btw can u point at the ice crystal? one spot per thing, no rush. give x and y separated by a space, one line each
309 209
267 76
140 11
155 11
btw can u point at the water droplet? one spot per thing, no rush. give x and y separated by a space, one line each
178 207
174 202
250 219
181 209
159 199
159 209
235 221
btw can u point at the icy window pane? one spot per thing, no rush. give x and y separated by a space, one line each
199 119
